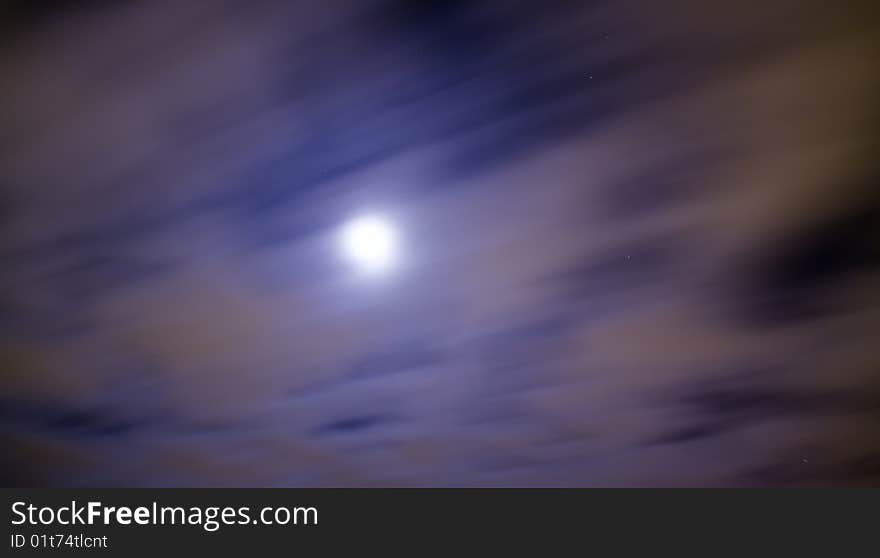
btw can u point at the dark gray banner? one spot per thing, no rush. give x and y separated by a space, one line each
373 522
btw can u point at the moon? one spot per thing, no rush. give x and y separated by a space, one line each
370 244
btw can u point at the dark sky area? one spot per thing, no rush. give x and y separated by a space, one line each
608 243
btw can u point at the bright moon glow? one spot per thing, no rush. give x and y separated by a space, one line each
370 243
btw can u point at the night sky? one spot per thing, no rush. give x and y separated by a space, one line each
490 243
